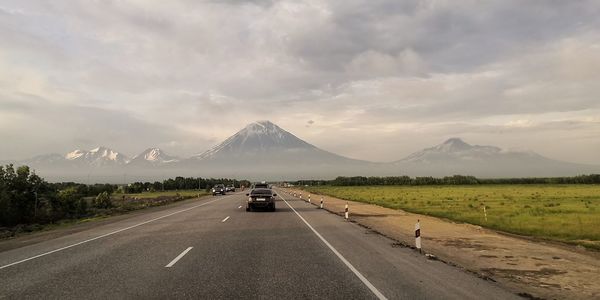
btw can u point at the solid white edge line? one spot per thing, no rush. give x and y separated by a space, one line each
225 219
362 278
106 234
174 261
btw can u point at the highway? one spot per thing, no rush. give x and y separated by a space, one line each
211 248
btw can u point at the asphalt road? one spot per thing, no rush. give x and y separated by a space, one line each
212 248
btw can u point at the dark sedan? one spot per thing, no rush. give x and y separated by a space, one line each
261 198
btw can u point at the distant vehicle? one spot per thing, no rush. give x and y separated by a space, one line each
218 189
230 188
261 198
261 185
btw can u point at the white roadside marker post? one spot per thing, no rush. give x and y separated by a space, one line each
346 211
321 202
309 199
418 235
485 212
300 196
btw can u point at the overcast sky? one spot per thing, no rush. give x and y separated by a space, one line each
371 79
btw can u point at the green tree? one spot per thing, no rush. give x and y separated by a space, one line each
103 200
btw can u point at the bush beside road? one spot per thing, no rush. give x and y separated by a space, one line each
117 204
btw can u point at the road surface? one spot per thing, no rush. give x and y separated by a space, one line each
212 248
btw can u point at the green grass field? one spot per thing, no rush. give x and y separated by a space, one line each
568 213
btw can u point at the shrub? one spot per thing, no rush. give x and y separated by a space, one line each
103 200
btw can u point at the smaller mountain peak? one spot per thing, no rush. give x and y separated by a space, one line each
154 155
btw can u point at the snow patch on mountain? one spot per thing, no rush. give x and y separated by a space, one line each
154 156
100 156
74 155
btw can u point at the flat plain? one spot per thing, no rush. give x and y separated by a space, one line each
566 213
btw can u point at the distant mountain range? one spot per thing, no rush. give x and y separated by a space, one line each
263 150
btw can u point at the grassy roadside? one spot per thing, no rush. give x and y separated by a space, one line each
122 204
566 213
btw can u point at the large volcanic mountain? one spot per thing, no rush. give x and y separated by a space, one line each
264 149
265 142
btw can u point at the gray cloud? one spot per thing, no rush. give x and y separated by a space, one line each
401 74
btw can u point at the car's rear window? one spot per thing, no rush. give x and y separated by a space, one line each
262 192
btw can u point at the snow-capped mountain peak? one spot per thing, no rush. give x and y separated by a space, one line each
153 155
98 156
265 128
257 137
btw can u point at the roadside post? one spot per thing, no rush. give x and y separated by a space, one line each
309 198
485 212
418 235
321 203
346 211
300 196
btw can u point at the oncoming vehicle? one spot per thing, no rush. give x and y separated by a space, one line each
218 189
230 188
261 198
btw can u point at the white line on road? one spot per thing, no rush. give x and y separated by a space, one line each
360 276
107 234
178 257
225 219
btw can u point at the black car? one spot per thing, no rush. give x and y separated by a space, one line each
230 188
218 189
261 198
262 185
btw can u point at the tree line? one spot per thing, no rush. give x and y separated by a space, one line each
183 183
449 180
26 198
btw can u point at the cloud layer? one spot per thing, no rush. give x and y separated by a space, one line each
372 80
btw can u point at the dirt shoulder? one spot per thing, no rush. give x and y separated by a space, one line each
537 268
